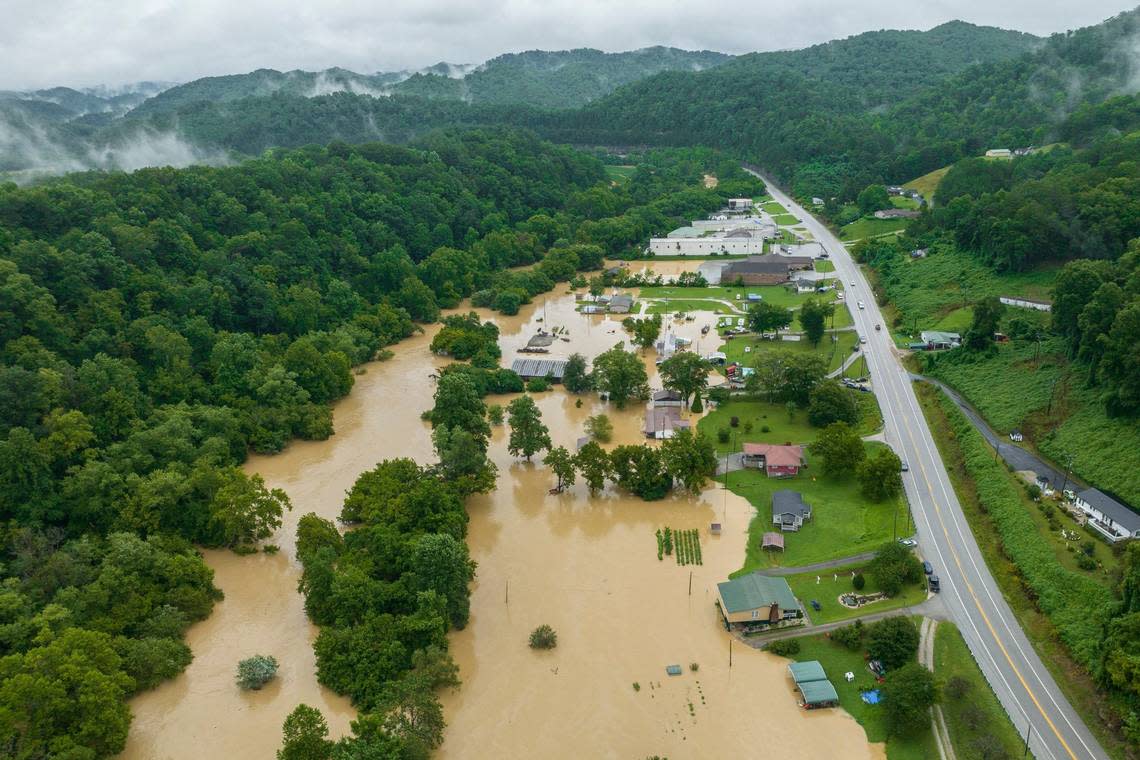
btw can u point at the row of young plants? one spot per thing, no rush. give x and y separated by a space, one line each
688 547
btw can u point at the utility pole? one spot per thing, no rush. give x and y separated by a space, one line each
690 583
730 652
1068 470
507 594
1053 387
1028 733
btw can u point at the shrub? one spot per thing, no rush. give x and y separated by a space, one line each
765 429
734 421
958 687
850 636
599 428
254 672
784 647
858 582
1086 562
543 637
747 427
636 686
495 414
694 666
722 435
538 385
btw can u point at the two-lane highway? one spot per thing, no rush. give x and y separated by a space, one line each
1022 683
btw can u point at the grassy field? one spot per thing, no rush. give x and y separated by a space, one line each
785 220
619 174
773 207
928 183
832 583
833 351
1076 683
927 291
824 265
775 294
674 305
902 201
837 660
871 227
1012 389
952 660
843 521
758 414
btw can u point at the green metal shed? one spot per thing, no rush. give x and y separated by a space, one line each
806 672
818 694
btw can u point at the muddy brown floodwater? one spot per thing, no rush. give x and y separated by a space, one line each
588 567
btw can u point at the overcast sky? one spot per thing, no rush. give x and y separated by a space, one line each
89 42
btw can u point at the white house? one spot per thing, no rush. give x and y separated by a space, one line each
1026 303
999 153
1108 516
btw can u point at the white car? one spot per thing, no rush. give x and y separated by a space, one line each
910 543
852 283
861 306
862 339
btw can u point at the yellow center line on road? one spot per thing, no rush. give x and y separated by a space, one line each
977 601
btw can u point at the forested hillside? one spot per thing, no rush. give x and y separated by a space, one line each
156 326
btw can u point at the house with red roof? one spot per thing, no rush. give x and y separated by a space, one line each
777 461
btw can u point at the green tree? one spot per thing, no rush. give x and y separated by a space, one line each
254 672
813 316
908 694
441 563
689 458
575 378
645 331
305 735
873 198
243 511
621 375
462 459
599 427
840 448
893 641
830 402
594 464
893 567
879 475
765 317
528 435
987 316
561 463
641 470
411 712
458 404
685 372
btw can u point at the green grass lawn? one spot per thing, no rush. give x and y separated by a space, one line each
928 183
786 220
843 521
837 660
833 351
871 227
824 265
674 305
870 416
758 414
773 207
953 660
619 174
776 294
901 201
958 321
832 583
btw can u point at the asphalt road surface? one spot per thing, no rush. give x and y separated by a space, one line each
973 601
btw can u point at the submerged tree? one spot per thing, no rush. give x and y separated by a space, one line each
528 435
561 463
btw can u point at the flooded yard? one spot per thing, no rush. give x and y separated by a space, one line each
588 567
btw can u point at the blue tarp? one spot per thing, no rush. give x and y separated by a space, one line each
871 697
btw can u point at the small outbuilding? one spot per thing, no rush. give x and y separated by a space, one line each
531 368
772 540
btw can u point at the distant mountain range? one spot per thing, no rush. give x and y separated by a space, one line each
876 95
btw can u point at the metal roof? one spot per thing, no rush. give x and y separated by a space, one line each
754 591
818 692
788 502
1109 506
805 672
555 368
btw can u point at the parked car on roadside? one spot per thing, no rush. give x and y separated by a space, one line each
935 586
910 543
927 567
905 466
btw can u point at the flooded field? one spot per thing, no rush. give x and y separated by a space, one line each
588 567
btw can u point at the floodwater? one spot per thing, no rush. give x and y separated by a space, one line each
588 567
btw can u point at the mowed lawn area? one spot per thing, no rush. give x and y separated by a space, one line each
774 294
754 415
824 266
773 207
786 220
619 174
675 305
837 660
744 349
871 227
833 583
843 523
952 660
928 183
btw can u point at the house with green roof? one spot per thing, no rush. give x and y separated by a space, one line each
757 599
